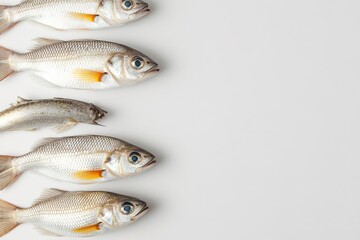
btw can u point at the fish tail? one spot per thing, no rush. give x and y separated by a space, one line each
5 20
7 217
8 173
5 68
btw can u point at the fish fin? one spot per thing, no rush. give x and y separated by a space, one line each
7 217
5 21
97 124
88 229
42 42
7 171
5 69
59 98
83 39
45 232
19 101
66 126
88 75
47 194
89 175
45 141
84 16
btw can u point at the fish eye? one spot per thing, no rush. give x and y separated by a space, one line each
127 208
137 62
134 158
127 4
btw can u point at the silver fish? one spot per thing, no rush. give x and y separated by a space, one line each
34 114
78 159
80 64
68 14
75 214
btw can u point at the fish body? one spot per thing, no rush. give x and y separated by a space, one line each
78 159
34 114
74 214
68 14
81 64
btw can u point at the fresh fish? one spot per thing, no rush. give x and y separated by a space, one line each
80 64
74 214
34 114
78 159
68 14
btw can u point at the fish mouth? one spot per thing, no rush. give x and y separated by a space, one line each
146 166
142 212
99 113
151 72
149 164
144 8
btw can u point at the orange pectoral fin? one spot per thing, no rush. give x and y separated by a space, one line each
88 75
89 175
87 229
83 16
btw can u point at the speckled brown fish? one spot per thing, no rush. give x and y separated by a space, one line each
34 114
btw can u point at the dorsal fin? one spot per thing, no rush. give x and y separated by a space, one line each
42 42
47 194
45 141
59 98
20 100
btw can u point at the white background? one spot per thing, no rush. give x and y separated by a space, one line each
254 119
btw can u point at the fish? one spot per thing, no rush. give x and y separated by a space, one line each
78 159
65 113
74 214
77 15
80 64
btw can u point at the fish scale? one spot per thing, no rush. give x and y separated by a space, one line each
84 150
58 13
90 55
75 202
78 48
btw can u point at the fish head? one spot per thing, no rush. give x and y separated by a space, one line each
96 113
122 210
128 10
129 160
131 67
